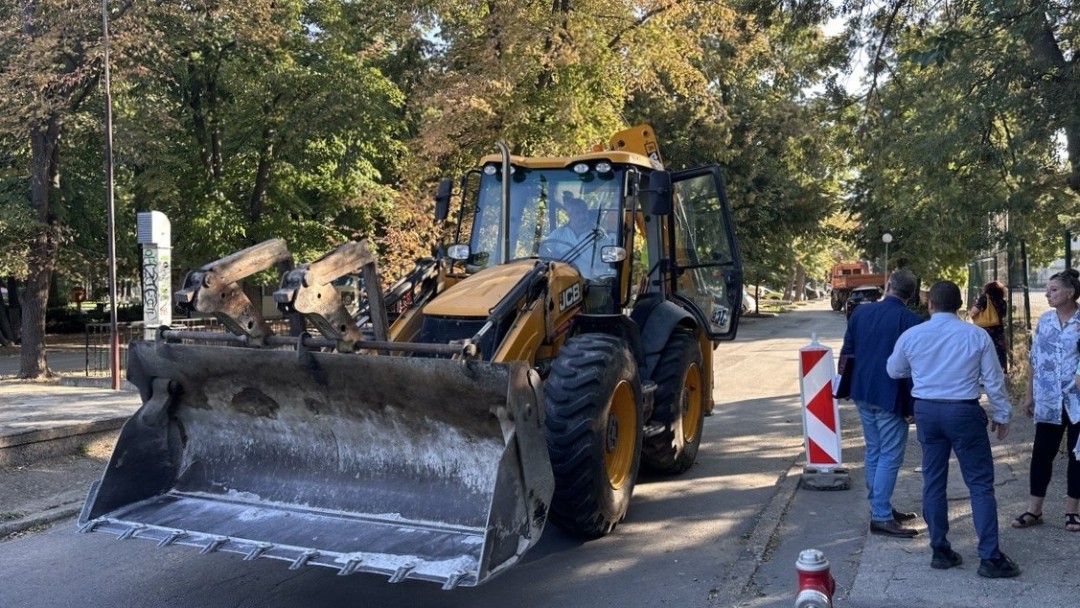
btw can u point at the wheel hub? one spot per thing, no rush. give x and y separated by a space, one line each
612 433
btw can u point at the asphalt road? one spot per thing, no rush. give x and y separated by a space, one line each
62 359
700 539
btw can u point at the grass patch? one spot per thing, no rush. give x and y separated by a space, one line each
1019 367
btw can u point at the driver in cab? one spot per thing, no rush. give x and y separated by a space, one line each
580 239
578 227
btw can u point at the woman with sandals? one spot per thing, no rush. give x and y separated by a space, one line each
1053 398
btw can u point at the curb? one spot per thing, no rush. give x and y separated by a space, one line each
95 382
25 448
744 571
43 518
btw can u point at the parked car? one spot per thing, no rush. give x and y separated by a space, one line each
862 295
762 292
749 304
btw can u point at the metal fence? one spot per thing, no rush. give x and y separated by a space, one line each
1024 285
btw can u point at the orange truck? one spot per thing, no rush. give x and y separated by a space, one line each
846 276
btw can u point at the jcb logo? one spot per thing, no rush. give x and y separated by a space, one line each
719 316
569 296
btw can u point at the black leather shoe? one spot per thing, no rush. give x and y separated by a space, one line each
902 516
945 558
999 567
891 527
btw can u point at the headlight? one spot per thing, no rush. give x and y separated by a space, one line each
458 252
603 167
581 168
610 255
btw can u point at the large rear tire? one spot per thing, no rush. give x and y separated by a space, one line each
679 406
593 425
837 300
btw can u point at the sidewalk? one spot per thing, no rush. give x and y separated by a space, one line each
54 439
897 572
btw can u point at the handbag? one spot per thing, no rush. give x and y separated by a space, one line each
846 368
987 317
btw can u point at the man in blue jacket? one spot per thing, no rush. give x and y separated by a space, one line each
883 402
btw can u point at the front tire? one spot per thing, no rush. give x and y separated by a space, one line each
680 407
593 425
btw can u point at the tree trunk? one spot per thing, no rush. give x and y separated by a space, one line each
799 284
44 176
262 172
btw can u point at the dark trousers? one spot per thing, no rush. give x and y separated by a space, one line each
959 427
1045 449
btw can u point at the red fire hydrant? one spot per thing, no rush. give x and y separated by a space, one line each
816 584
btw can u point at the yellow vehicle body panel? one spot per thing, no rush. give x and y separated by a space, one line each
558 162
476 295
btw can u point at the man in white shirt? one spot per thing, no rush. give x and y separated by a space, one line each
577 227
947 360
583 235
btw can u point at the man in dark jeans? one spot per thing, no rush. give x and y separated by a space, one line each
948 359
871 333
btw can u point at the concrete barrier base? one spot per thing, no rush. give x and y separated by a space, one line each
836 479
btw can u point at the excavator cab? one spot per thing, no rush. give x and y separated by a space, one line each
572 215
591 213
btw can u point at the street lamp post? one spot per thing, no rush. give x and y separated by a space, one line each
886 238
114 335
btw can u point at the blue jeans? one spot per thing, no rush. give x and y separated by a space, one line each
885 435
960 427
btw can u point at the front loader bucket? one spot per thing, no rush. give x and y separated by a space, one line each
422 468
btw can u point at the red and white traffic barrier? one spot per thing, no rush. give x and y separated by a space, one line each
821 418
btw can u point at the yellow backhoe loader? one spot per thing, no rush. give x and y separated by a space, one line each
561 339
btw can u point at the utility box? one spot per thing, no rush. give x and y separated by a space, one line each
155 238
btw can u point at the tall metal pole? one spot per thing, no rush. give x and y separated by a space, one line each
886 238
114 334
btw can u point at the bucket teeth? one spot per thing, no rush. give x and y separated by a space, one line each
173 536
350 566
453 580
89 526
402 571
302 559
130 532
214 545
257 551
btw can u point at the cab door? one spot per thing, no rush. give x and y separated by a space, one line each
707 277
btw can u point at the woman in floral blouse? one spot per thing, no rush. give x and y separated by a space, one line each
1053 397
